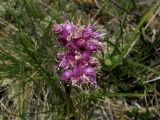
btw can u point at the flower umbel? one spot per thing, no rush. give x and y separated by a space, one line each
77 61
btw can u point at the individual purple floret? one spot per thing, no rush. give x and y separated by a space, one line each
77 62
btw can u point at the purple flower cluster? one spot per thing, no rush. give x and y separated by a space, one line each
80 42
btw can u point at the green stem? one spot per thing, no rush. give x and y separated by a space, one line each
69 103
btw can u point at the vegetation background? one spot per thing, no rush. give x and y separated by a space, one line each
129 75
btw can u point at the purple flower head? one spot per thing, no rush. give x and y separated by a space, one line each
94 45
80 43
77 33
89 71
96 35
68 26
87 32
86 55
70 45
93 61
66 75
78 71
57 28
77 62
62 33
64 63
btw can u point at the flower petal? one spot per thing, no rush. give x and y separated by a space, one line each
66 75
89 71
94 45
87 32
68 26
